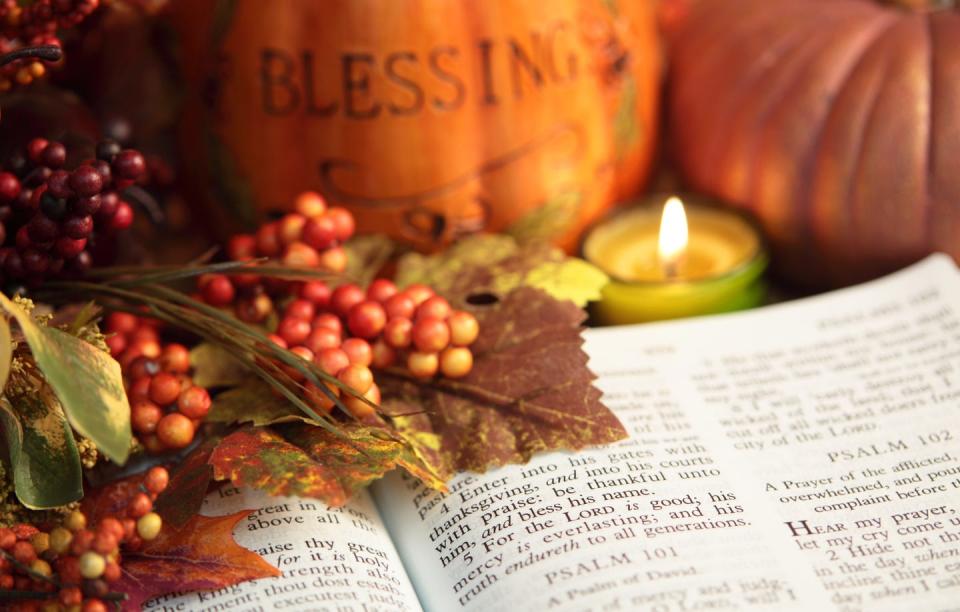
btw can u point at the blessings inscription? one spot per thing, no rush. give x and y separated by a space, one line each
405 81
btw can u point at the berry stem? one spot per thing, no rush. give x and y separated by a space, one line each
141 197
26 570
21 595
12 595
48 53
211 324
472 391
134 276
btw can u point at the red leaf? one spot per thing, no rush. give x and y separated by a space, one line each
199 555
202 555
189 483
110 499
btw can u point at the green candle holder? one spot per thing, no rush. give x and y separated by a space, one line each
724 271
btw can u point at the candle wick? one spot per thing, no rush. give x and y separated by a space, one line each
671 268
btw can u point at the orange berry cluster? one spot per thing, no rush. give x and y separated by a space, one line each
310 237
347 331
165 406
415 326
344 331
76 564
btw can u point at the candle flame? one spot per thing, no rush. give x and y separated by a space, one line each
673 236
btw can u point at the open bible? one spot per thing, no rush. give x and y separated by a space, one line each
800 456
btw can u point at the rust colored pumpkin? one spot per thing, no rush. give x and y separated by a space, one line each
837 122
429 119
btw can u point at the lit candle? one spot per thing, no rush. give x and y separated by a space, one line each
673 237
676 259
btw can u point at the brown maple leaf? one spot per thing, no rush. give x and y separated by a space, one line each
530 390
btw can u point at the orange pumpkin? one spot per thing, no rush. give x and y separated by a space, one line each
428 118
837 122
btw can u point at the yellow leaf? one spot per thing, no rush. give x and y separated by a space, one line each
571 279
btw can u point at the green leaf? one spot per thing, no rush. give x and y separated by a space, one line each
254 402
86 380
214 366
44 457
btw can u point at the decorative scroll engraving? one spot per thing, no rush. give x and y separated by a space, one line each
422 221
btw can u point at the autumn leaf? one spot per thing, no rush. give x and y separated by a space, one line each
571 279
199 556
361 456
214 366
441 271
110 499
259 458
309 461
293 459
253 402
497 264
189 482
530 390
366 254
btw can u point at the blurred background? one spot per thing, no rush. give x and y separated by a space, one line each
835 124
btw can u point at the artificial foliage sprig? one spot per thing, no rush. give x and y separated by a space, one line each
39 392
245 343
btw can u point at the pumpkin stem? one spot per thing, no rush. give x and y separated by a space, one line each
924 5
48 53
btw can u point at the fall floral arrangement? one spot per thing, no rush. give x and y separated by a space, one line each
300 359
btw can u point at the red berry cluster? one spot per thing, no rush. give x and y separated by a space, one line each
347 331
165 406
310 237
49 216
76 564
35 23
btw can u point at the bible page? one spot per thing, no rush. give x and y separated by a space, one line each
800 456
336 560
